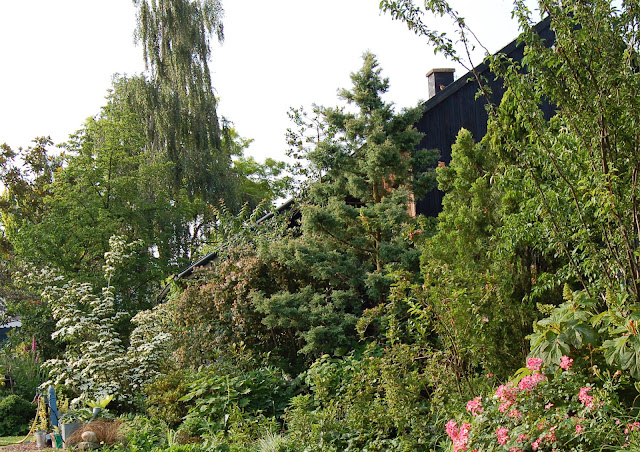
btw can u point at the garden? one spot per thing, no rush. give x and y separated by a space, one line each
508 323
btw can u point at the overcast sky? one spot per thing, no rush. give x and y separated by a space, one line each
58 57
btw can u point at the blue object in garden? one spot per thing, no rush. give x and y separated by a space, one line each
53 407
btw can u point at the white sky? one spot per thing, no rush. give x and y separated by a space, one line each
57 59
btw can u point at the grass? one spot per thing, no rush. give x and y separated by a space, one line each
6 440
9 440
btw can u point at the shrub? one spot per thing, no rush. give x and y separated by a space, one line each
163 398
262 391
551 408
16 415
377 401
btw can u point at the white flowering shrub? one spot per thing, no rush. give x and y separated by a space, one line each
95 362
149 346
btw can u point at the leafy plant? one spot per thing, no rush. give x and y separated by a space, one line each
547 408
16 415
262 391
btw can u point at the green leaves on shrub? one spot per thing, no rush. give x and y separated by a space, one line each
16 414
264 390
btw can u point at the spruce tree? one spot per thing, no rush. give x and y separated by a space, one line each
369 166
356 218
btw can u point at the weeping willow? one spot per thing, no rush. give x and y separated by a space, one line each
182 120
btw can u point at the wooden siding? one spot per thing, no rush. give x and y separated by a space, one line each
456 107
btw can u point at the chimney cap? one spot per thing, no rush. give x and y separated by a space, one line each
439 70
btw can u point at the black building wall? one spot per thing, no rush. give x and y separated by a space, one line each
456 107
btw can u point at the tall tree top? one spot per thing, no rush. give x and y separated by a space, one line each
175 37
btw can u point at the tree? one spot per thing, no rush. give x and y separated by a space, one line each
257 182
298 294
61 208
182 123
571 181
355 215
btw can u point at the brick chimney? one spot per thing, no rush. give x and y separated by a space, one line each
438 79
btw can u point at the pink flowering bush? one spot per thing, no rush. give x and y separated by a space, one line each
547 409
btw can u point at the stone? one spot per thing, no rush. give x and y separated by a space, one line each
86 445
89 437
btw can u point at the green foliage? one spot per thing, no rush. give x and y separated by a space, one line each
141 434
579 169
601 333
555 410
163 397
181 120
242 432
61 208
21 366
214 395
374 401
257 182
16 415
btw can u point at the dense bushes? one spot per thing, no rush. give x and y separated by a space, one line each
215 395
375 400
547 408
16 415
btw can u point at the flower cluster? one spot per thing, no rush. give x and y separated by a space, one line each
475 406
529 382
534 364
507 394
566 362
503 435
585 398
459 435
542 411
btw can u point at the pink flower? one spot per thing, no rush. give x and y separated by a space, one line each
474 406
529 382
535 444
534 364
507 393
504 406
585 398
489 375
522 438
566 362
503 435
579 429
548 405
452 429
515 449
459 435
485 319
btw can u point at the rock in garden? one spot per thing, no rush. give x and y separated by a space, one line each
89 437
86 445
